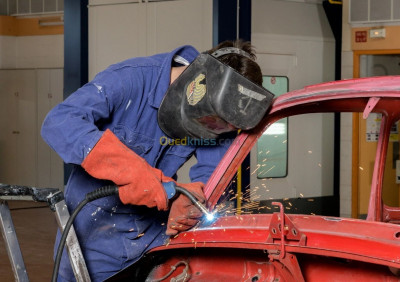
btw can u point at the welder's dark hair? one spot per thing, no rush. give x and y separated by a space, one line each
245 66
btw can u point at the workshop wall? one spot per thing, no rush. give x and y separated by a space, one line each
27 43
118 31
294 39
31 83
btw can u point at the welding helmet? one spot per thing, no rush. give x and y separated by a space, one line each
210 98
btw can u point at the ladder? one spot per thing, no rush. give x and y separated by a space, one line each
55 199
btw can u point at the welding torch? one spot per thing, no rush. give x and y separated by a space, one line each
171 189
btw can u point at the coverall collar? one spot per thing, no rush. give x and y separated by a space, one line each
163 81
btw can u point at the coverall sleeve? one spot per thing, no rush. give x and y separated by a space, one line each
71 127
208 158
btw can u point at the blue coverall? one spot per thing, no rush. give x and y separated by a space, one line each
125 99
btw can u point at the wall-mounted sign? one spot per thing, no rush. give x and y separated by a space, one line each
361 36
373 127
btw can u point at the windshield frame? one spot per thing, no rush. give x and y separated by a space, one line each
365 95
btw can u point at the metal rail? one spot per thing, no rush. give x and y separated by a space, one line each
55 199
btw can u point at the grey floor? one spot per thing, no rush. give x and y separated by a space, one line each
36 227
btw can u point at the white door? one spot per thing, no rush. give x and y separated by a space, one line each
19 136
50 169
26 96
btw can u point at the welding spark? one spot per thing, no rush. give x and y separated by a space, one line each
258 166
234 197
210 216
270 169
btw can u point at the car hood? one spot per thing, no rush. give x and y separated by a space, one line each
308 234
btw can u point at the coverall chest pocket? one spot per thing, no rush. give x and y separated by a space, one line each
138 142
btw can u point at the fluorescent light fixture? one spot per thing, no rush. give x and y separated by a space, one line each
377 33
51 21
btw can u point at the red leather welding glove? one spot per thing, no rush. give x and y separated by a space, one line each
139 183
184 214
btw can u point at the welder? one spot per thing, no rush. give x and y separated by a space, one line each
111 129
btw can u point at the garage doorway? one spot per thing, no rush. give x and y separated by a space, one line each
370 63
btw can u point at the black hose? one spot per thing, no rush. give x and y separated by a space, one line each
195 201
94 195
186 193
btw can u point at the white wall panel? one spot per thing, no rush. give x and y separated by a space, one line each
116 33
175 23
294 40
8 125
291 55
8 52
26 125
122 31
26 96
46 51
49 93
18 136
289 18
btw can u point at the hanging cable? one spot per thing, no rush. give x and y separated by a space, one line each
94 195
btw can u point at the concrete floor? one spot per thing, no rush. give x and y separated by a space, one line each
36 226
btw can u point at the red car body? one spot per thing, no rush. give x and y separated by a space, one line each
293 247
